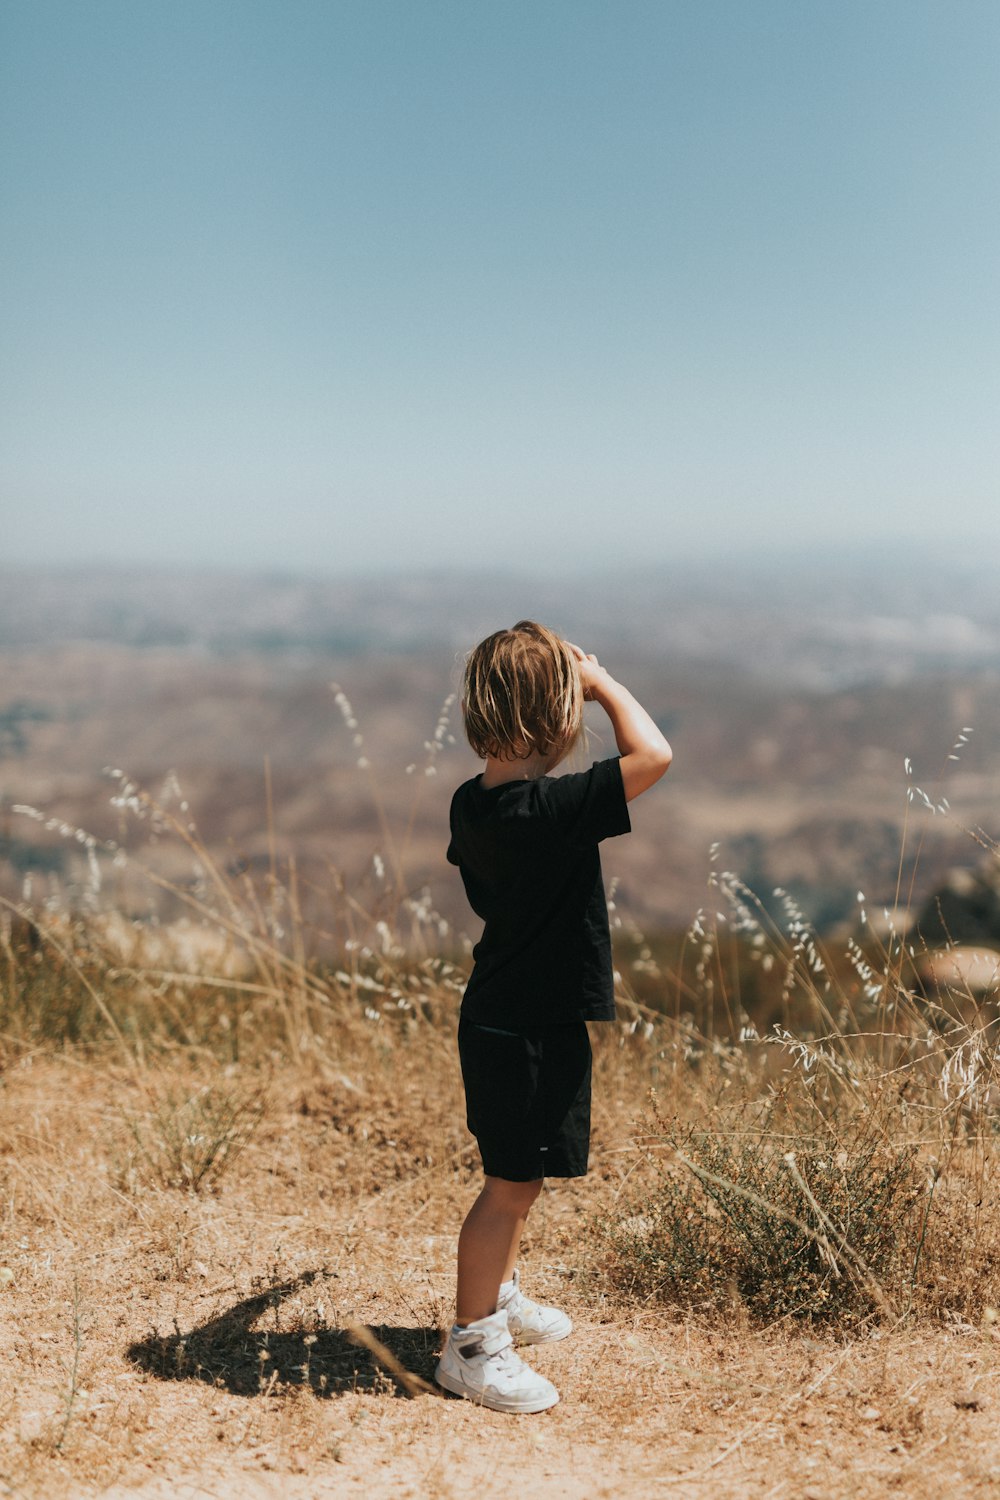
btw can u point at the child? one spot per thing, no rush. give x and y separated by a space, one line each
526 844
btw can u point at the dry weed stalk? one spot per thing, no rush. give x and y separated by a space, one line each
827 1170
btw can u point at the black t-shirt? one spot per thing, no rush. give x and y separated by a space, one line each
528 855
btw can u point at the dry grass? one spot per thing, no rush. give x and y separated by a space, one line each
231 1194
162 1342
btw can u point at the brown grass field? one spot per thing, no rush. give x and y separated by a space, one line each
232 1186
164 1342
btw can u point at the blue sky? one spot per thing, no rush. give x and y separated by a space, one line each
547 282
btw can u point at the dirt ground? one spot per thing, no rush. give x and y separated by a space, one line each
158 1342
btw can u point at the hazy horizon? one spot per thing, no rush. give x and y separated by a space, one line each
967 553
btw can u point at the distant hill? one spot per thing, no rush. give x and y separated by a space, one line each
822 622
792 701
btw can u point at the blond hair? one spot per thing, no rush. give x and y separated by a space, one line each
522 694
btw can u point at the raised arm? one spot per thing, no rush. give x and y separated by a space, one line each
645 752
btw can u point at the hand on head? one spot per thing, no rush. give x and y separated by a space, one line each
589 666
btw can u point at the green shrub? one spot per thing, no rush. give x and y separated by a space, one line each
772 1208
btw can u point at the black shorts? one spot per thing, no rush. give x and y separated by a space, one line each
527 1098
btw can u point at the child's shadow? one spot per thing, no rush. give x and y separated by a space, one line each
228 1353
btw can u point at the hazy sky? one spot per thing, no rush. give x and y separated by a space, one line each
341 283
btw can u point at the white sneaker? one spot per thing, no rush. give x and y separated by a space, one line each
480 1362
530 1323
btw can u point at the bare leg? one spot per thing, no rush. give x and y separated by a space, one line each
487 1245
